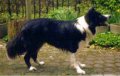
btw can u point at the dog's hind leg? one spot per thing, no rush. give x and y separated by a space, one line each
34 57
27 61
35 53
76 64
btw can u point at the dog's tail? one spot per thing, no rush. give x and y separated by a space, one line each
15 46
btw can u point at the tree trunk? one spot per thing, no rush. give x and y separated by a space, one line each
28 9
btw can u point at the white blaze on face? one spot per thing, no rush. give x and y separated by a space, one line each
107 16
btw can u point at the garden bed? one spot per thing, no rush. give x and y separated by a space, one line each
115 28
14 27
3 29
107 40
101 29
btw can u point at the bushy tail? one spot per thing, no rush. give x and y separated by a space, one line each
15 47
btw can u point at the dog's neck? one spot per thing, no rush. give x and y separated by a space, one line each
83 26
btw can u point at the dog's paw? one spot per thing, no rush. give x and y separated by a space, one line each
32 68
80 71
82 65
41 63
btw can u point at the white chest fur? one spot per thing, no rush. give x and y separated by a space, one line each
83 26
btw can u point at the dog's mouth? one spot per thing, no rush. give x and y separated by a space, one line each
105 23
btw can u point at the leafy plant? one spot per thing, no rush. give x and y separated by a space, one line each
3 17
107 40
5 38
115 17
63 13
112 5
84 7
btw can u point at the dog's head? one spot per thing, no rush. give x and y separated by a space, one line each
95 18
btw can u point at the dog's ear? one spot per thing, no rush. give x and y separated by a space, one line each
92 9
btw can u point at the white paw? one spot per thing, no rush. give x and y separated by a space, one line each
41 62
32 68
82 65
80 71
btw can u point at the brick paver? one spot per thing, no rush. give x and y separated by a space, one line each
103 61
98 62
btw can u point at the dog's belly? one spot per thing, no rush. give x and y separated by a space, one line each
68 45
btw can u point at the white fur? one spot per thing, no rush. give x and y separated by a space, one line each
32 68
79 70
107 16
81 24
82 65
41 62
76 65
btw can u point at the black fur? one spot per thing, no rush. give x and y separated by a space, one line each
94 19
61 34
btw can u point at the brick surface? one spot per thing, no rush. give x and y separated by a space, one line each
117 60
109 61
98 66
109 70
99 62
104 62
108 65
117 64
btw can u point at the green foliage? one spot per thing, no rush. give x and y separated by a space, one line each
5 17
115 17
106 40
84 7
63 13
112 5
5 38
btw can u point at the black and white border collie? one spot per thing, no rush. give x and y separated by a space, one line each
66 35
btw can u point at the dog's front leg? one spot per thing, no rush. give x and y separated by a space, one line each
76 64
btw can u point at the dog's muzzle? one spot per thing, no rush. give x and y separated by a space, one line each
108 16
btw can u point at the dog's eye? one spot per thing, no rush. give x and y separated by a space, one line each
100 16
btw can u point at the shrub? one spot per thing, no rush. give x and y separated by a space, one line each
112 5
4 17
84 7
115 17
106 40
5 38
63 13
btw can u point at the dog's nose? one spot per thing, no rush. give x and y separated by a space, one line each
107 16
